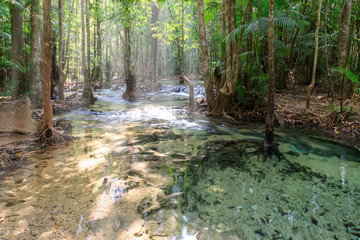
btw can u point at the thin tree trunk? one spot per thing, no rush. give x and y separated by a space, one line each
344 28
331 89
295 35
235 81
35 54
129 93
269 131
312 84
87 94
67 59
183 78
98 71
61 75
88 37
154 19
3 40
209 87
17 46
47 42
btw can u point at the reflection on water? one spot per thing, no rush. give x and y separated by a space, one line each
151 170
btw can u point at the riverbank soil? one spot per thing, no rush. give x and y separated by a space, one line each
322 116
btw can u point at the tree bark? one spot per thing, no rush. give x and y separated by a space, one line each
61 75
48 121
343 35
87 94
88 42
183 78
66 62
225 91
209 86
3 40
98 69
269 131
17 46
129 93
35 75
328 75
154 19
312 84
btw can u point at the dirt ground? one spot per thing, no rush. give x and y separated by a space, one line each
321 116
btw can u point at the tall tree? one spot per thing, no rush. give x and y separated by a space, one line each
17 46
87 93
129 93
154 19
35 75
312 84
328 75
225 91
183 78
47 42
67 58
343 35
269 146
61 75
98 62
209 89
88 42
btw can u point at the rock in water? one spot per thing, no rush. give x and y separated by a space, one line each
15 116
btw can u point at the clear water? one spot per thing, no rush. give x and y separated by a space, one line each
151 170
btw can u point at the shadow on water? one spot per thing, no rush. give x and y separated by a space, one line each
150 170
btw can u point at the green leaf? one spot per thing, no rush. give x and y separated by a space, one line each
3 11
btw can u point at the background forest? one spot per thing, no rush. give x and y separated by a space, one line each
95 42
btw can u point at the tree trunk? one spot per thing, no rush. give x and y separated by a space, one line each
61 75
47 42
209 87
88 43
235 80
87 94
312 84
183 78
35 54
269 146
98 69
129 93
68 40
344 28
141 56
328 75
154 19
3 40
17 46
225 91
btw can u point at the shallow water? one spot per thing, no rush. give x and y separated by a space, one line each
151 170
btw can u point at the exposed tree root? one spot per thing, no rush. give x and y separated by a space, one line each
270 150
51 136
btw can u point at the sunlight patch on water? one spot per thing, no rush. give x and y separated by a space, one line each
186 236
90 163
80 228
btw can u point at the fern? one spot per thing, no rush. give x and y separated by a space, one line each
354 78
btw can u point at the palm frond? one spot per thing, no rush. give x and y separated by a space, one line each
257 26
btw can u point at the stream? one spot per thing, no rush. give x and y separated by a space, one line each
152 170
